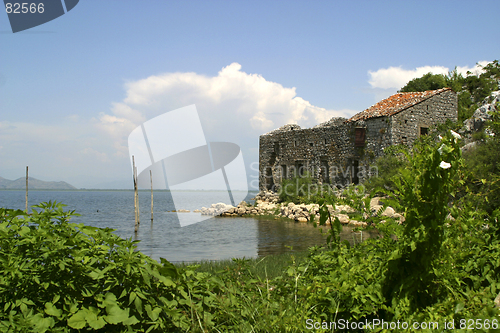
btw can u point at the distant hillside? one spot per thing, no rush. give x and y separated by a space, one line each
34 184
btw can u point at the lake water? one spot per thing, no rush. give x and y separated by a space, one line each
213 239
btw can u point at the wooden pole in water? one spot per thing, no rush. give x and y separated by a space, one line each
151 178
26 189
135 194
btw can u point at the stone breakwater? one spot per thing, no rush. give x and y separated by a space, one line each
266 203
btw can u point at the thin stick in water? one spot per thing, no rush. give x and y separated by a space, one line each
151 177
135 193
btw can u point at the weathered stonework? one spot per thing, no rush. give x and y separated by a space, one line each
332 154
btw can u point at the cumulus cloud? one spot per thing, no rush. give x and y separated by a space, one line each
233 105
398 77
475 70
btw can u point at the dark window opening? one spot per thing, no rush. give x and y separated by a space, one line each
299 169
359 138
312 144
325 172
355 171
295 143
276 148
424 130
284 173
269 178
325 142
406 121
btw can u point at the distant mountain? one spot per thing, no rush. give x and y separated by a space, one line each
34 184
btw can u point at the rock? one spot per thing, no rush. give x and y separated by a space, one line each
375 208
343 218
399 217
197 211
241 211
469 147
344 208
182 211
480 116
357 224
375 201
302 219
389 212
497 301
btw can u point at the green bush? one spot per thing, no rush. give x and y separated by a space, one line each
482 165
303 189
388 167
60 276
442 263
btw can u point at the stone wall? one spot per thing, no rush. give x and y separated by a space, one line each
328 151
406 125
319 151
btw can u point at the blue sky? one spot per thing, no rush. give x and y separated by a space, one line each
71 90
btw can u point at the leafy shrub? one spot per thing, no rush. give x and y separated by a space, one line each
59 276
483 168
427 82
388 167
303 189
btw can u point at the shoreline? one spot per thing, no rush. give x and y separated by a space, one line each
266 203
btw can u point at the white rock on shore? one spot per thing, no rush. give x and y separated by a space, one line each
266 203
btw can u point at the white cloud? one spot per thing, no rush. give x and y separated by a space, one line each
476 70
397 77
233 105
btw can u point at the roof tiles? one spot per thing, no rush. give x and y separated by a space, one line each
396 103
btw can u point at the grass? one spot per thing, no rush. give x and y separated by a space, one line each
268 267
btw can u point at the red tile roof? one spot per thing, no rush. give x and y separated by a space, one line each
396 103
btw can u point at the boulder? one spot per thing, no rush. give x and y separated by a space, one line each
302 219
389 212
344 208
375 201
399 217
375 208
343 218
469 147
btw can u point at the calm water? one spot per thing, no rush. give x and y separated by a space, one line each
212 239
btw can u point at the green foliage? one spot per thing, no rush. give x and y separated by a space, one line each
482 179
427 82
471 90
59 276
423 191
442 263
303 189
388 167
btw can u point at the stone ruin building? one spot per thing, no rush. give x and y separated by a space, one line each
342 151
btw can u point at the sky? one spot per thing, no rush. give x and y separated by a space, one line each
73 89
